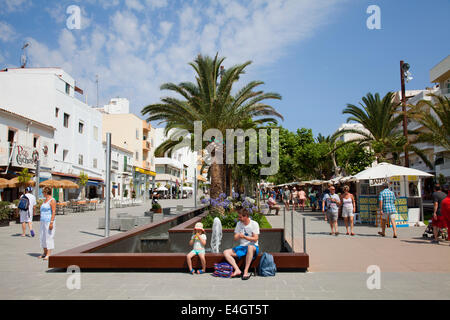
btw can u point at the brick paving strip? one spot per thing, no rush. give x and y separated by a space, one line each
411 268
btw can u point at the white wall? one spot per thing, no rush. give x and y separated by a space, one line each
35 93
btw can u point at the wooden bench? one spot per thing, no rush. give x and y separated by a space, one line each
283 260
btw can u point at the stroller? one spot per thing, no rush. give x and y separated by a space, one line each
429 232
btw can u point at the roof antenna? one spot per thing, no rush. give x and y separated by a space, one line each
24 57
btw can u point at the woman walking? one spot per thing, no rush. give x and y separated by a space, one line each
302 198
348 209
294 198
47 232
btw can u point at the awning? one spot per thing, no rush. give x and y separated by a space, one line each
143 171
92 183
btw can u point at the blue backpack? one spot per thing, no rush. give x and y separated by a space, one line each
24 203
267 267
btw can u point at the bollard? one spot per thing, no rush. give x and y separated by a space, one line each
304 235
292 230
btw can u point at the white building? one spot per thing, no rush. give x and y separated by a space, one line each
177 169
23 141
47 95
121 171
351 136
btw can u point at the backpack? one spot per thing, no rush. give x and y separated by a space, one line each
223 270
267 265
24 203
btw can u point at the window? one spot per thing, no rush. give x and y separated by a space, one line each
137 134
67 88
80 159
65 153
95 164
137 156
66 120
56 147
35 141
56 112
95 133
80 127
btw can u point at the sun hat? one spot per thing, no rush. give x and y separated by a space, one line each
199 226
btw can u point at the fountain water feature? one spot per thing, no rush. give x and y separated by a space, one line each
216 236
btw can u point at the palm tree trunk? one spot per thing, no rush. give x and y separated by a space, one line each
216 174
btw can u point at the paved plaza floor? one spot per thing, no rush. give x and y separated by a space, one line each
411 268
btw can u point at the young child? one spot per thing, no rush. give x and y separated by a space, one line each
198 240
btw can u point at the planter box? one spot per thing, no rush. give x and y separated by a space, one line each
4 223
157 210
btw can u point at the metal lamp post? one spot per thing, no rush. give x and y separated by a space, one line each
404 73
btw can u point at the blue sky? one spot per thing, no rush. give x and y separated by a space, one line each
319 55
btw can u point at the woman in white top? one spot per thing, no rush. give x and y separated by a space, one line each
348 209
295 198
47 232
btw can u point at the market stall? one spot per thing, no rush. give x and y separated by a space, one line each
404 182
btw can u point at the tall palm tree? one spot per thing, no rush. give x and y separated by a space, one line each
381 132
437 126
210 100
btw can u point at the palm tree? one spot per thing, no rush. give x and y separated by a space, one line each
381 131
437 127
210 101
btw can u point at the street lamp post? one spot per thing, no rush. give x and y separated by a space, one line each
404 67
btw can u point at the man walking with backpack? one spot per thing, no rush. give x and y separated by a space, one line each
26 208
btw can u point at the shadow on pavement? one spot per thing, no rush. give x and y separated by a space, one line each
92 234
35 255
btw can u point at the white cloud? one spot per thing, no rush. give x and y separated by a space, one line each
133 56
15 5
134 4
7 32
156 4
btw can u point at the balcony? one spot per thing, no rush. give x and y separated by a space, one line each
128 168
146 165
146 145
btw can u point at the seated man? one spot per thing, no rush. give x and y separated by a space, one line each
247 232
273 205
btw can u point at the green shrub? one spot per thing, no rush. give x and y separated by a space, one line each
5 211
229 220
156 206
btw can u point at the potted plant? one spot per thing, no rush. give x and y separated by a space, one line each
156 208
4 213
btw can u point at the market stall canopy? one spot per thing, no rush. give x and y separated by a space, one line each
14 183
3 183
387 170
67 184
162 189
51 183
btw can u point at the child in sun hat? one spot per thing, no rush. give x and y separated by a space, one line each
198 240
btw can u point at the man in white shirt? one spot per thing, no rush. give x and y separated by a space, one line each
247 232
26 216
333 202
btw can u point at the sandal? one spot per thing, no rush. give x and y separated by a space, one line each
200 271
192 271
246 277
381 234
331 233
347 233
45 258
352 234
41 256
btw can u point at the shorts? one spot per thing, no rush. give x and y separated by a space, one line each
25 216
440 222
387 215
347 212
197 252
332 216
241 251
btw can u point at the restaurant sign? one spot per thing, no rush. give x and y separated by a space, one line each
27 157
